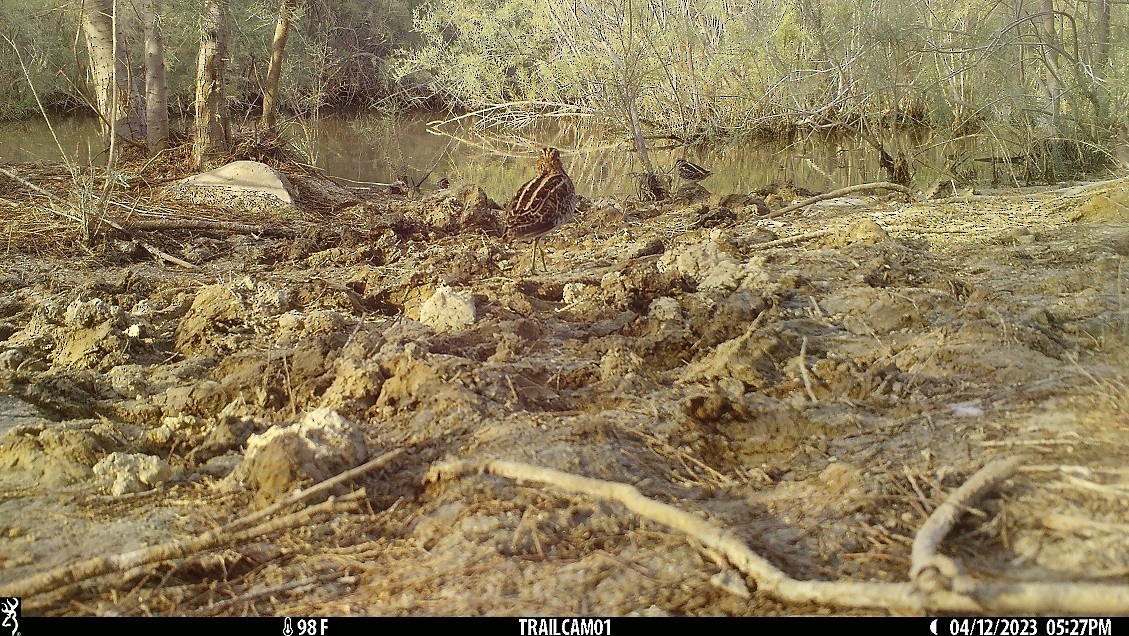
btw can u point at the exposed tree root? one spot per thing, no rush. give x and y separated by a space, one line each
991 598
927 567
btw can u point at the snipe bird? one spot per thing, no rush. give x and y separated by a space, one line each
691 171
542 204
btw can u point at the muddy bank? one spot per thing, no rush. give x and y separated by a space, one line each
819 397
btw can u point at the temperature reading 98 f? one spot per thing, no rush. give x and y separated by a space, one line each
311 626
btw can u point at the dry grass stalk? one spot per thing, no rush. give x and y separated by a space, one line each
1064 598
292 587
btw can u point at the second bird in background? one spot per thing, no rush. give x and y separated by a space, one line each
691 171
541 204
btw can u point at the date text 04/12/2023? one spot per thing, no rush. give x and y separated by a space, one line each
1030 627
565 626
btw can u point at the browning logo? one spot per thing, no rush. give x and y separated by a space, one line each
10 609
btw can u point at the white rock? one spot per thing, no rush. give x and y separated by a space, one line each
448 310
966 409
574 292
11 359
291 321
320 446
142 308
665 308
706 264
87 313
121 473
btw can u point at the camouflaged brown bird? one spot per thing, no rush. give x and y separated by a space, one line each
691 171
542 204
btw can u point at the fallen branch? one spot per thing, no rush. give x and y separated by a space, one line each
834 194
1051 598
196 224
31 186
928 569
318 488
793 239
804 371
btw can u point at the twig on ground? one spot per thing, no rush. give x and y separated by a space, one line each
226 535
300 585
196 224
925 505
804 371
318 488
792 239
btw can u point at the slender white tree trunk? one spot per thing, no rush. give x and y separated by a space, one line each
1101 64
116 100
277 49
156 86
213 122
1050 58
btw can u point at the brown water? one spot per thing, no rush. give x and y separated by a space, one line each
373 150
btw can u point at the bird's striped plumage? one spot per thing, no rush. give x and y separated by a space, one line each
543 203
691 171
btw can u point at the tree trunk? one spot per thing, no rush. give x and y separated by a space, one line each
1099 94
1050 59
156 87
213 122
1101 36
277 48
118 105
630 105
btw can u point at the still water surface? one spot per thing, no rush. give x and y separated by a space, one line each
374 150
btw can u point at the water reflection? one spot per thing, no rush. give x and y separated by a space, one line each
380 150
31 140
366 149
